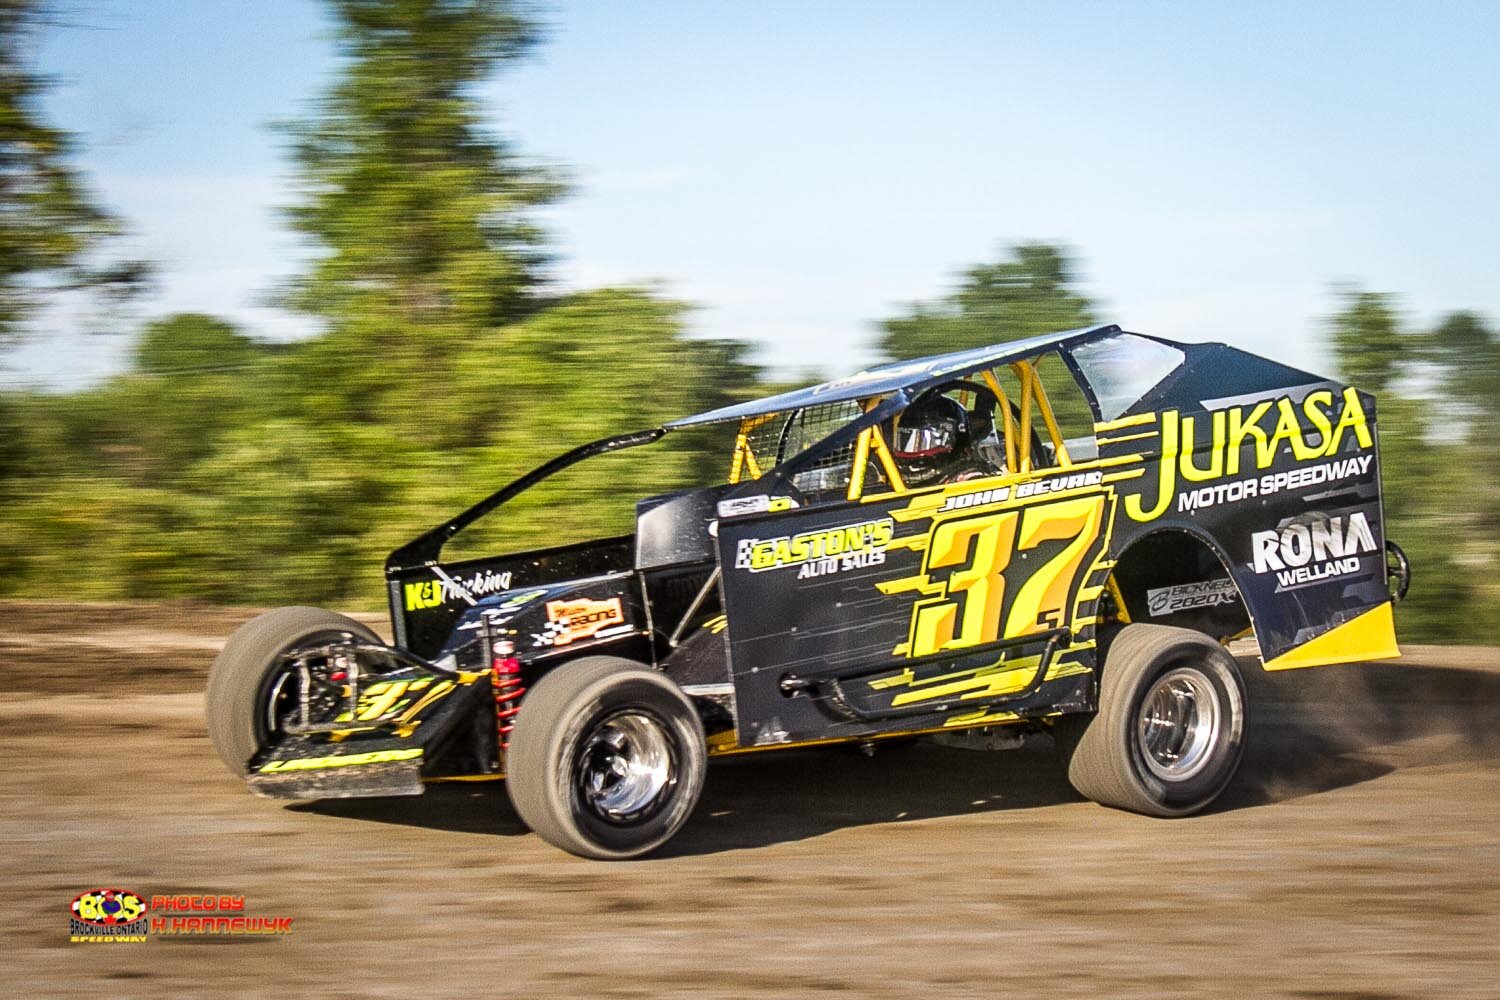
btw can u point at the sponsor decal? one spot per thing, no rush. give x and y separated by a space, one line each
347 760
1312 548
1274 482
107 916
422 594
866 538
759 504
1190 596
1202 454
579 618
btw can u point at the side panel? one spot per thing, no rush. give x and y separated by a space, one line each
1285 486
428 601
928 609
908 602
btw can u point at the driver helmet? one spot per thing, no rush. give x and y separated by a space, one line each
928 436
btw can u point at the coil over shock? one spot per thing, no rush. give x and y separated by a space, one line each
505 678
506 682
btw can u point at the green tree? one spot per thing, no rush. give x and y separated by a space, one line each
420 213
193 343
1439 464
1466 354
1029 291
1464 351
598 363
1368 344
226 469
49 224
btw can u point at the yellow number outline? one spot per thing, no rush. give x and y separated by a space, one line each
978 550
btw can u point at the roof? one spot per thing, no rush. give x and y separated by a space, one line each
916 375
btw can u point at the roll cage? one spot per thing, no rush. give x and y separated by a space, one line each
1021 426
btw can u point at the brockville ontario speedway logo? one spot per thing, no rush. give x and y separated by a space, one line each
116 916
107 916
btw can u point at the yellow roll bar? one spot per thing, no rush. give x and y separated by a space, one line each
1010 420
1045 406
744 457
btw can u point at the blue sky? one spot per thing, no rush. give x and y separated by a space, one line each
800 170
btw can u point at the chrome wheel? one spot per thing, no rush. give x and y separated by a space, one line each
281 700
626 766
1178 725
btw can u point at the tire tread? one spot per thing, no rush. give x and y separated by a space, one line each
1098 764
534 744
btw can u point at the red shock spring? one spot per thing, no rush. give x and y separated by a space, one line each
505 677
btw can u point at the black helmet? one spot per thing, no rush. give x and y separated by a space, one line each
928 435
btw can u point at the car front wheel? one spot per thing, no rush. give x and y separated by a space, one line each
252 690
607 758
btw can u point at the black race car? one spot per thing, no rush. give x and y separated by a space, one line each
922 548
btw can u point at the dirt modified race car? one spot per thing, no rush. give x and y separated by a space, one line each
923 548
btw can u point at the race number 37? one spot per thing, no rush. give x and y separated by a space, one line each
971 562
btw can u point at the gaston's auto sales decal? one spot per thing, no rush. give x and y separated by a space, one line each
846 545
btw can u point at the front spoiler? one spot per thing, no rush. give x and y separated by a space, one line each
454 735
356 773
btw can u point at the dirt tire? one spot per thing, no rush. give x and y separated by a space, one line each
241 681
607 758
1170 729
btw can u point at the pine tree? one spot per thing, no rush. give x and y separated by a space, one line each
49 223
1029 293
418 212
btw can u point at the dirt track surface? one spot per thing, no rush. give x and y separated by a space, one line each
1355 856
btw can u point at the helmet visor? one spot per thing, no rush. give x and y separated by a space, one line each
924 440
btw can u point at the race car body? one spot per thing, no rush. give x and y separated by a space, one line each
1120 507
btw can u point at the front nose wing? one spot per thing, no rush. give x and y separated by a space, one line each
371 733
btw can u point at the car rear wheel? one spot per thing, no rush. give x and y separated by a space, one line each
607 758
251 691
1170 728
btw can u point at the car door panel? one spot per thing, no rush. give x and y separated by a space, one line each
913 610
